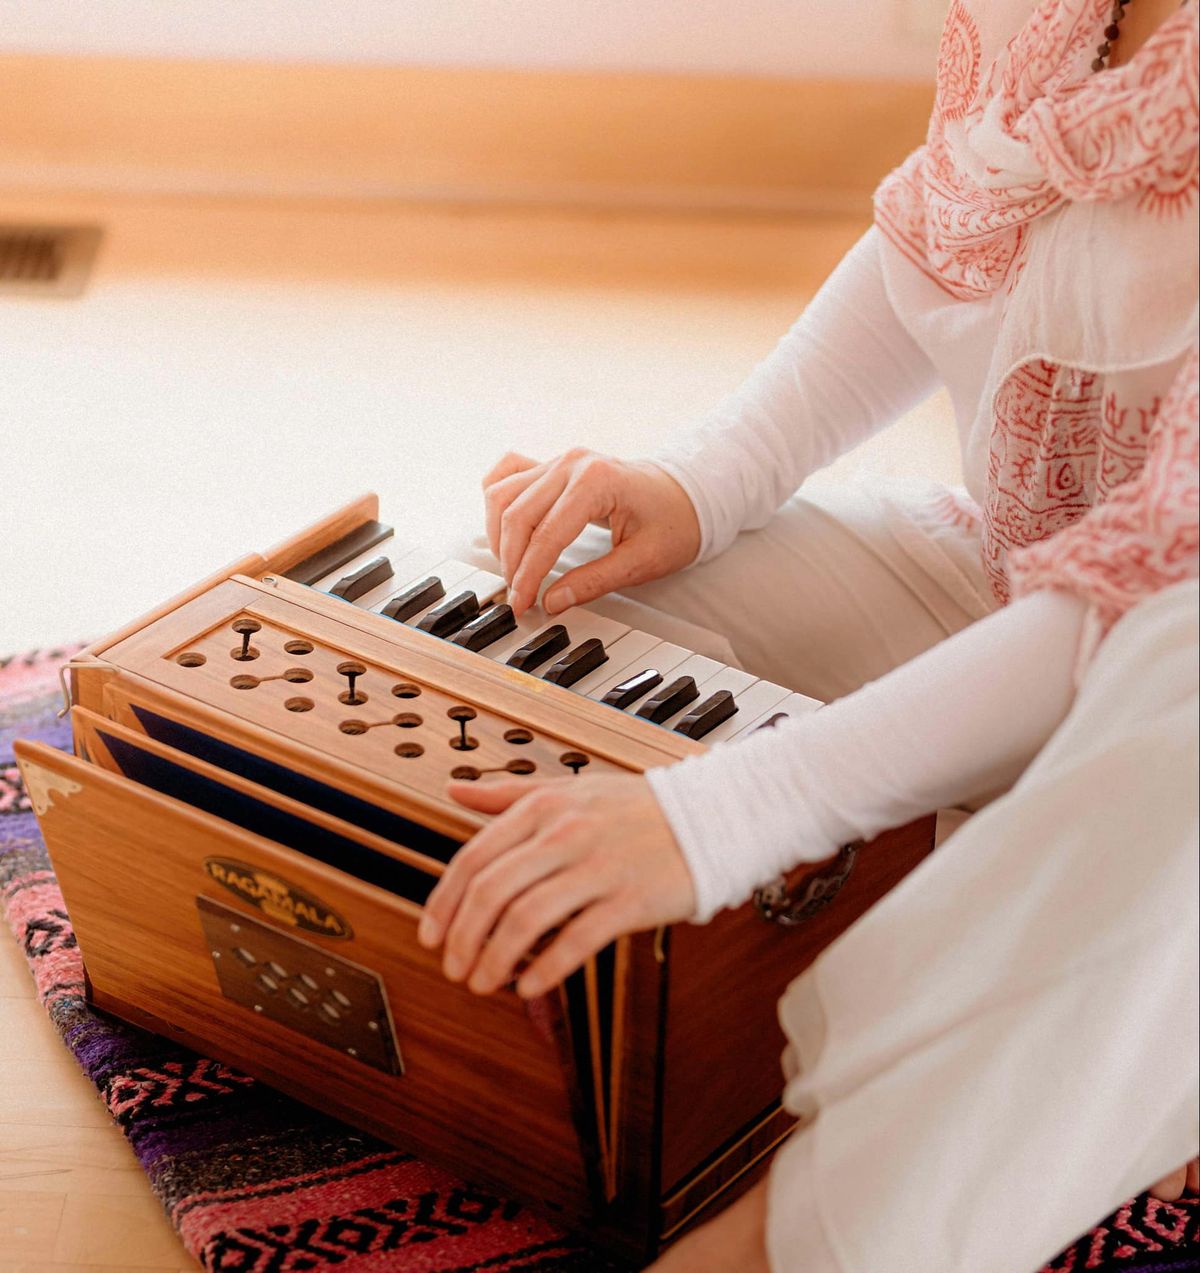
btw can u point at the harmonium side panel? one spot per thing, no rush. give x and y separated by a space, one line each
723 1041
476 1083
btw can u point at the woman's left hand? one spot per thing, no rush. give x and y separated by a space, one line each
591 856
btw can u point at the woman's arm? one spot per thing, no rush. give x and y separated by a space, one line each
964 718
599 857
845 370
955 723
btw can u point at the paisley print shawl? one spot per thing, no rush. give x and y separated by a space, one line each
1049 221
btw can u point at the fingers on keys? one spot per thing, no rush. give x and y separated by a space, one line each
539 511
501 485
626 563
549 517
530 517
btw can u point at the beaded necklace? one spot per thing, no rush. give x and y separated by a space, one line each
1100 61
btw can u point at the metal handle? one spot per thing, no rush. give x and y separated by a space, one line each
817 889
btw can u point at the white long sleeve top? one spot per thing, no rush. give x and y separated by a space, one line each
1037 256
953 725
939 730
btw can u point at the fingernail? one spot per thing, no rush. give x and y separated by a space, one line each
453 968
529 987
558 600
478 985
515 601
425 931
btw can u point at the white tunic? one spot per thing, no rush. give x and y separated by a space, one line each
1003 1050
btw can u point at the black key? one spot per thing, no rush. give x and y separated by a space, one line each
538 649
447 618
352 586
495 622
628 692
326 560
584 658
706 716
669 700
771 721
415 599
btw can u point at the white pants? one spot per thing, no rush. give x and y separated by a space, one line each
1003 1049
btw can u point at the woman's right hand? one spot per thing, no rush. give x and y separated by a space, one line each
534 511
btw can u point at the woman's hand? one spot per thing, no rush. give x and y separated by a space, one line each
593 857
535 510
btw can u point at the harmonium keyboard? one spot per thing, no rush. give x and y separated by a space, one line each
255 812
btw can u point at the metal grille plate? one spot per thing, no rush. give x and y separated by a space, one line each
322 996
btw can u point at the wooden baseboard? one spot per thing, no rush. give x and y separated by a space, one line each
128 125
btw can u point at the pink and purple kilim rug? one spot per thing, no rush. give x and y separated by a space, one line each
256 1183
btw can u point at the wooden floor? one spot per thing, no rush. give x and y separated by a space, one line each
71 1193
235 370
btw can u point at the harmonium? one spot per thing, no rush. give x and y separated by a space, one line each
255 812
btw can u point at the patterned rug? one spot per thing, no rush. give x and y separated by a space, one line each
256 1183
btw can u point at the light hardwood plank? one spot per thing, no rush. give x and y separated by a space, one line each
130 1231
29 1223
68 1160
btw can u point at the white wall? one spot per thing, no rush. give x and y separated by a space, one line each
759 37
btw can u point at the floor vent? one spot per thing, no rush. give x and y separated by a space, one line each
46 260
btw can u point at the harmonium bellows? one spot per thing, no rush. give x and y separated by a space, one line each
255 812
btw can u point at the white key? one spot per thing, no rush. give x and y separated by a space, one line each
724 678
406 571
754 703
792 705
482 583
385 548
662 656
583 626
622 653
800 705
486 586
449 571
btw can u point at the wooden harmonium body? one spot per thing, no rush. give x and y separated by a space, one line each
255 814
